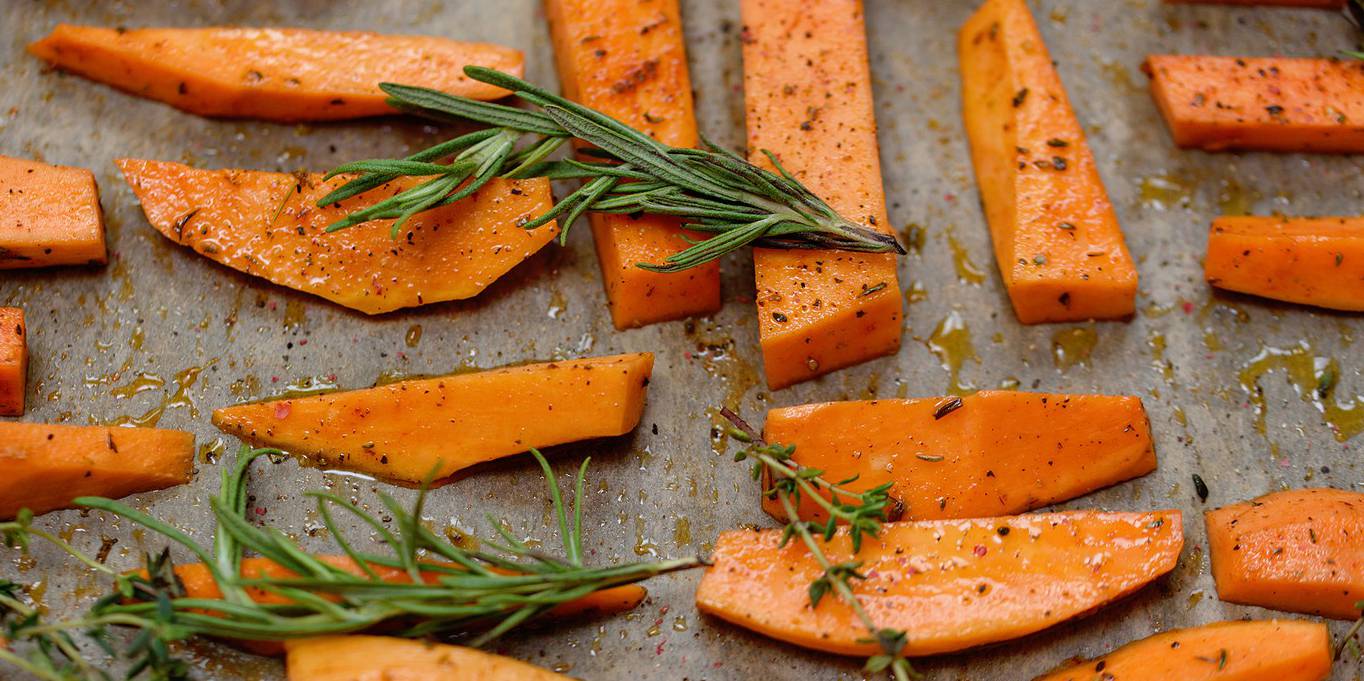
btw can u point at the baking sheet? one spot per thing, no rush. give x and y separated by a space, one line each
161 328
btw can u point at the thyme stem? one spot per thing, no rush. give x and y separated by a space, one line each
862 516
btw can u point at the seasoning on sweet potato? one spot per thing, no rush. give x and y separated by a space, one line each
627 59
1224 651
378 658
409 430
1261 103
989 454
13 361
1313 261
807 89
949 584
277 74
47 465
199 583
1056 237
1297 550
267 225
49 215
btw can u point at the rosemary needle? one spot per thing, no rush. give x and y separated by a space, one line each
449 589
711 190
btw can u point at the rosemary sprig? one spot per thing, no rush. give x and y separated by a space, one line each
452 590
712 190
862 513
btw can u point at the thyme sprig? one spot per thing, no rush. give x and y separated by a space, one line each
451 590
862 512
711 189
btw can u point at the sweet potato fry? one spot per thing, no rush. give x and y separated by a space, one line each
1297 550
1313 261
409 430
989 454
276 74
1260 103
267 225
49 215
949 584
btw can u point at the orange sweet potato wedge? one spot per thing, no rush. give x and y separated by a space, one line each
378 658
268 225
1060 250
1225 651
410 430
1297 550
49 215
13 361
276 74
807 89
989 454
1313 261
628 59
47 465
1264 103
950 584
199 583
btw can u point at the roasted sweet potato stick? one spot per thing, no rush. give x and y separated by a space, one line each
1261 103
377 658
277 74
47 465
1297 550
949 584
627 59
410 430
807 89
989 454
1313 261
1060 250
266 224
13 361
1225 651
49 215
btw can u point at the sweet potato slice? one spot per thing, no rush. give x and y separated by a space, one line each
1260 103
988 454
49 215
628 59
807 89
277 74
47 465
267 225
950 584
1313 261
409 430
1224 651
1056 237
1298 550
378 658
13 361
199 583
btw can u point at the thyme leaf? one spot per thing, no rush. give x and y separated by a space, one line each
863 514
